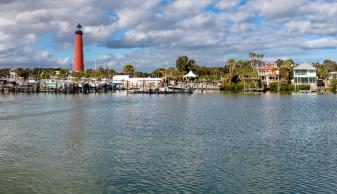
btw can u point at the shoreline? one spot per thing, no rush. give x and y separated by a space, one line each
197 92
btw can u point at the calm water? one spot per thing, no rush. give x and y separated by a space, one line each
113 143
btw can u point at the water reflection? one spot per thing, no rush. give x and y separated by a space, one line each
78 121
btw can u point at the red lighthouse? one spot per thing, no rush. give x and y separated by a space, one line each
78 60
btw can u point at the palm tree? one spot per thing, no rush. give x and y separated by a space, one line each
129 69
230 64
286 70
322 70
252 55
259 56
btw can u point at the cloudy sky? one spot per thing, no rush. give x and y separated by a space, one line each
149 32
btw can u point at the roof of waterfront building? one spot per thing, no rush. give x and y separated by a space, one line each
267 67
120 77
305 66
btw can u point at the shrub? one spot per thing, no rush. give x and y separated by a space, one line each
251 84
283 86
303 87
228 86
239 86
291 87
333 84
273 86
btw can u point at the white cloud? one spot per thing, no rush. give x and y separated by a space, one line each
300 27
321 43
208 30
198 21
189 5
227 4
277 8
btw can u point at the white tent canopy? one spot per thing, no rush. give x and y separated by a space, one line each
190 74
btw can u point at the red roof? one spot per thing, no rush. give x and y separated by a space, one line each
267 67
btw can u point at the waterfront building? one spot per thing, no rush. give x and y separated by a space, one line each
305 74
136 82
145 83
120 78
332 75
78 58
268 72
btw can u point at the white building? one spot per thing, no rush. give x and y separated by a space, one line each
128 82
305 74
119 79
332 75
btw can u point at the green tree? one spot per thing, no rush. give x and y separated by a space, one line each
129 69
110 73
253 56
322 70
4 72
230 64
279 62
243 69
184 64
160 72
333 84
171 72
286 70
331 65
21 72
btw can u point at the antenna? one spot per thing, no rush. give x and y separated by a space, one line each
165 78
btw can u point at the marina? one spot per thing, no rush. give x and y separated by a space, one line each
59 87
72 85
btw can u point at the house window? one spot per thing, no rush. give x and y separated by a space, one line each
301 72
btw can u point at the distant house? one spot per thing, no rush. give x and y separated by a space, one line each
268 72
305 74
332 75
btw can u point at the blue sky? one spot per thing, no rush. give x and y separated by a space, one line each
149 33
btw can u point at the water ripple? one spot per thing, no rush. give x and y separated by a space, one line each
168 144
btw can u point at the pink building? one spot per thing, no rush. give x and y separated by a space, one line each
268 72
